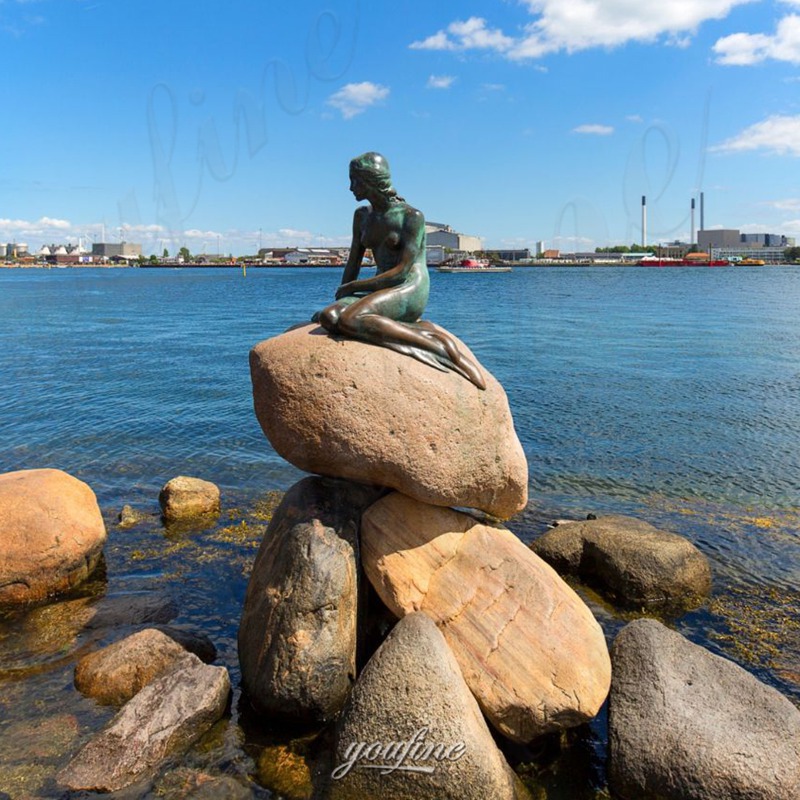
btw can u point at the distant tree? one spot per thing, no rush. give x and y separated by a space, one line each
185 254
165 254
617 248
792 254
153 259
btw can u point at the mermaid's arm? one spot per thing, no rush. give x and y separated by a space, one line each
357 249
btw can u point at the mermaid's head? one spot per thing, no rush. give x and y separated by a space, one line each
372 169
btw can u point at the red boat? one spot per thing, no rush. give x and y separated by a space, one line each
655 261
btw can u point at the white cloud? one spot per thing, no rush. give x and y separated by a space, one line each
145 229
355 98
194 233
743 49
594 130
41 227
789 204
471 34
440 82
583 24
777 134
634 118
293 233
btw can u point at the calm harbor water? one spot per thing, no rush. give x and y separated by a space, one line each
669 394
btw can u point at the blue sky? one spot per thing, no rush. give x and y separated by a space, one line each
220 126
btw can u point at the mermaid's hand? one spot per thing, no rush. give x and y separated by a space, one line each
344 290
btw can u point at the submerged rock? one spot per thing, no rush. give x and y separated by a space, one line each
184 498
133 608
685 724
129 516
530 650
412 713
285 773
197 643
298 633
51 534
630 560
164 718
114 674
353 410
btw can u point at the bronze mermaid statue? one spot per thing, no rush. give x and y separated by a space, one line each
385 309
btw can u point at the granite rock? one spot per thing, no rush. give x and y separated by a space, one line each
163 719
298 632
51 534
411 691
630 560
685 724
114 674
349 409
185 498
529 648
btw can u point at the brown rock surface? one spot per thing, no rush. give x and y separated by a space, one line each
184 498
410 701
164 718
51 534
353 410
530 650
114 674
685 724
629 560
298 633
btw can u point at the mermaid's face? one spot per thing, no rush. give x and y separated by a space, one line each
357 187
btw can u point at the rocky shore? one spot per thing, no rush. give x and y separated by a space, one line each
411 644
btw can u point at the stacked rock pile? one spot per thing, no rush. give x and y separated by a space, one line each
487 630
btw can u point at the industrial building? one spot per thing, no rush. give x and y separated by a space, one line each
118 250
769 255
513 255
729 243
445 236
14 250
719 237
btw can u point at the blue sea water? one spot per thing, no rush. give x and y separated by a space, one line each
670 394
625 384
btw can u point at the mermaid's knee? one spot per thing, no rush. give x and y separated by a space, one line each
328 318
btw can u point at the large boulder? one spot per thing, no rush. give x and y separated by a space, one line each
184 498
114 674
412 713
298 633
353 410
630 560
163 719
51 534
685 724
530 650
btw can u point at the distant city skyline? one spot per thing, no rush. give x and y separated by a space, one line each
224 128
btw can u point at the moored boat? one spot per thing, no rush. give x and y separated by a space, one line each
473 265
655 261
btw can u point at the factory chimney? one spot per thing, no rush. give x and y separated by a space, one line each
691 239
644 221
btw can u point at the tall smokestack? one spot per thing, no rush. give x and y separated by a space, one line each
702 212
644 221
691 239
